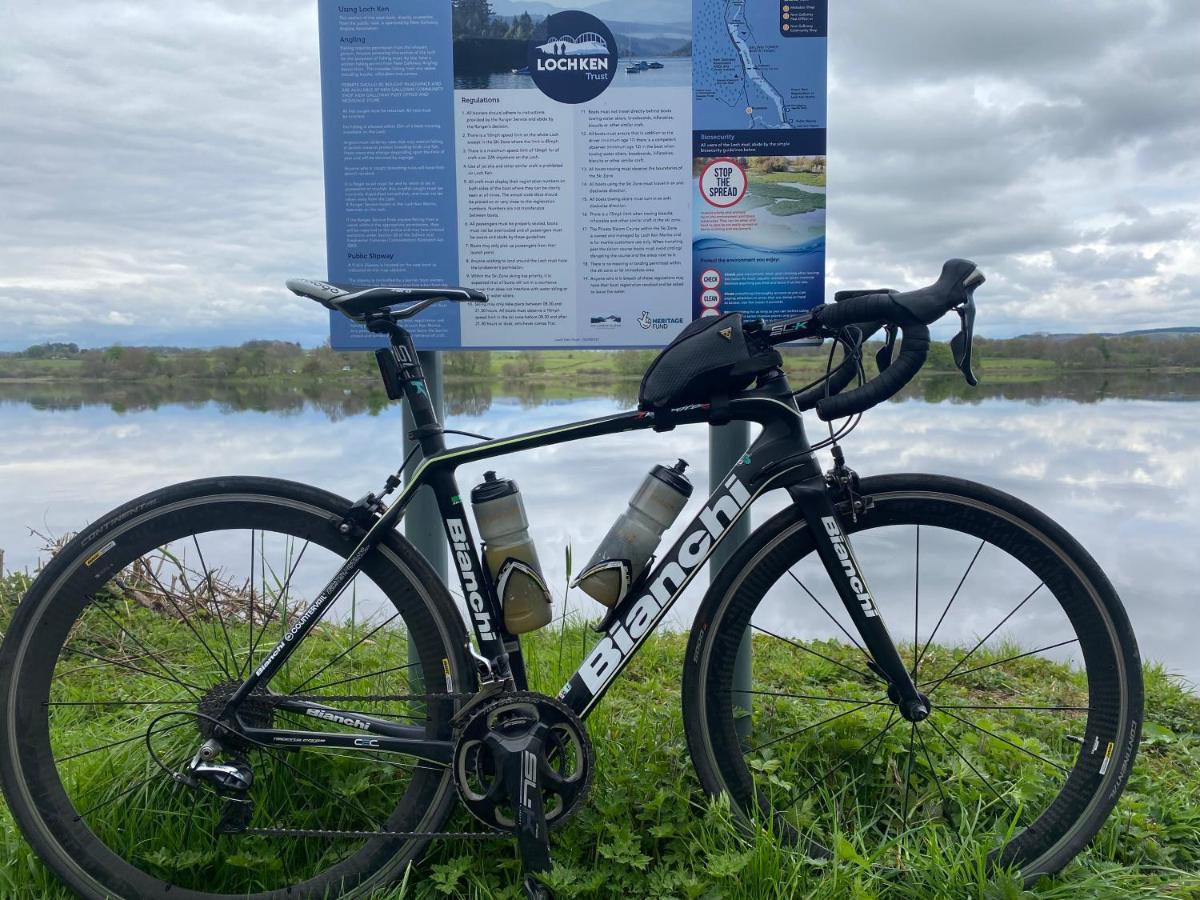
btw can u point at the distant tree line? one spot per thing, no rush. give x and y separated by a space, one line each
283 359
476 19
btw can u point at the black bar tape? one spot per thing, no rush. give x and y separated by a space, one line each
859 310
914 348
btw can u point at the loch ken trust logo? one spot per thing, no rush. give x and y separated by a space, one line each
572 57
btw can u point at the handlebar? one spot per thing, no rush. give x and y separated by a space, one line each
912 312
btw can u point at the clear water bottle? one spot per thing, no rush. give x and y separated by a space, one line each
626 550
509 553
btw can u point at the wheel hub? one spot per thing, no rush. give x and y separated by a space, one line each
914 710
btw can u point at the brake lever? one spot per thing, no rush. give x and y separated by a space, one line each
960 344
883 356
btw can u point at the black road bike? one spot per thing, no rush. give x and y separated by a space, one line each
246 687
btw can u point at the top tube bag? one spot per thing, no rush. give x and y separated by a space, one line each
709 360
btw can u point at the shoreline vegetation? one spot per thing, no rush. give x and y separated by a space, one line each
1014 359
647 829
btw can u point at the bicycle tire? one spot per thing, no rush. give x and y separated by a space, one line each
70 590
1113 671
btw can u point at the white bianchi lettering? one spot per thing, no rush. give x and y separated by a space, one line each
623 636
470 580
850 566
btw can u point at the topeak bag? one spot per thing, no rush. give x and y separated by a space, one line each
709 358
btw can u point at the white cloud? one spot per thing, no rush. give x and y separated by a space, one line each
161 164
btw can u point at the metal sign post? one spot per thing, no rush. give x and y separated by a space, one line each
726 444
422 522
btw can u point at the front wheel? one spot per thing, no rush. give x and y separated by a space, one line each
1011 630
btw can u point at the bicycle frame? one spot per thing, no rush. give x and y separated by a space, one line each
780 457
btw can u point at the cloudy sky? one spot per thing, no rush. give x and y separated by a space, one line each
160 164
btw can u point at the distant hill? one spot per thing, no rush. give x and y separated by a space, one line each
1174 331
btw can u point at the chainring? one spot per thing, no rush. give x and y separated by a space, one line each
568 762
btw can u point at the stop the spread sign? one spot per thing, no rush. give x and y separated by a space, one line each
723 182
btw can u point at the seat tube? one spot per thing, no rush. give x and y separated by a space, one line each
833 547
416 392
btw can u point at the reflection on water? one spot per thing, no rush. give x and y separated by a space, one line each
474 398
1111 458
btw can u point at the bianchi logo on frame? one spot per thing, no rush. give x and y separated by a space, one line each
572 57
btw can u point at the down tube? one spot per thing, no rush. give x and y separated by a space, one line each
637 615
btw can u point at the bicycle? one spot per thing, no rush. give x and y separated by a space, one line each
175 730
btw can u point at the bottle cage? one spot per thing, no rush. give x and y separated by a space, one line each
624 570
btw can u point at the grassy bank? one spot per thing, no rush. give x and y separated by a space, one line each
648 832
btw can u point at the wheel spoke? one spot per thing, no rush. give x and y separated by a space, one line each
283 594
998 706
1001 662
917 599
132 668
950 603
213 598
817 697
183 702
862 673
1004 740
128 740
825 610
358 643
933 771
115 797
978 775
367 675
999 625
808 727
324 790
150 653
184 617
912 736
892 720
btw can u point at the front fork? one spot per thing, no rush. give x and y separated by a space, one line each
813 495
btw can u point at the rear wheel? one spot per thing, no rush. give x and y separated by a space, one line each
126 648
1010 628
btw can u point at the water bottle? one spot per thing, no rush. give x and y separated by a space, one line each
625 551
509 554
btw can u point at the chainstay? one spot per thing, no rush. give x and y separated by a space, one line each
334 834
277 699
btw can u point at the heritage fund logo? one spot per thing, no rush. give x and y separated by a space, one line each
572 57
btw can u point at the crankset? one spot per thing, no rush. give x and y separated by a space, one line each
541 732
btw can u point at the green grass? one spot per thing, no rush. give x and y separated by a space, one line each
649 832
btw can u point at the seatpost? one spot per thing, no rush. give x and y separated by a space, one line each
428 431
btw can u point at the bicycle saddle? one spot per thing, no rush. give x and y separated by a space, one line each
358 301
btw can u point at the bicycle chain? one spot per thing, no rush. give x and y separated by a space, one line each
332 835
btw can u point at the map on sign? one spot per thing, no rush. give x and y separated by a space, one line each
755 78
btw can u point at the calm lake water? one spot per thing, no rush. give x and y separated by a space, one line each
1113 459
